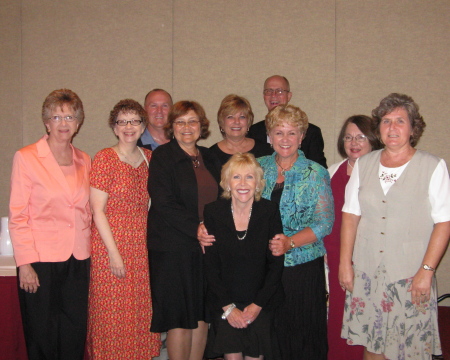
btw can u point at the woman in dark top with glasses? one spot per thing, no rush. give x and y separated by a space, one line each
183 178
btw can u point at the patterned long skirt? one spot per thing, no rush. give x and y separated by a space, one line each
379 315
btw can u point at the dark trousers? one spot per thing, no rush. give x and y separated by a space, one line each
55 317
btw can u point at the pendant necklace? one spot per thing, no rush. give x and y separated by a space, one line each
283 170
194 159
249 215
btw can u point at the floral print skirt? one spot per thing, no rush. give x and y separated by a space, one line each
379 315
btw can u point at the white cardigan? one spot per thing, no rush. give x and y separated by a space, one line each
333 168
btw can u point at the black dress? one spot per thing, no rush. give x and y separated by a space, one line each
243 272
259 149
175 256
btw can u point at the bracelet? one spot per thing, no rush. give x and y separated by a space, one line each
427 267
292 243
228 311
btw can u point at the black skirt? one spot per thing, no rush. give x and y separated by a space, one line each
301 321
257 339
178 290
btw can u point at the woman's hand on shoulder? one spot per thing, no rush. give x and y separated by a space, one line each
279 245
346 277
203 237
117 265
28 279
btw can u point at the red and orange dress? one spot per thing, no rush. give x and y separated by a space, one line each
120 310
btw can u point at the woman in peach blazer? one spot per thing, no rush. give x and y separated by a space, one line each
49 223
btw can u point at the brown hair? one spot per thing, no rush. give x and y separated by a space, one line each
366 125
127 106
59 98
394 101
181 108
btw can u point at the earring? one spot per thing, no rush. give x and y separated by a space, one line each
221 130
257 189
228 188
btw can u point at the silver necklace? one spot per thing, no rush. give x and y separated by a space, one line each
132 162
249 215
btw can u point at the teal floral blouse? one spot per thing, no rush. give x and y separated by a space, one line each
306 201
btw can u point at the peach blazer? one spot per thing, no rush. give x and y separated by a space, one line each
48 221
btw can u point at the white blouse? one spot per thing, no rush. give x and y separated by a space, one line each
438 189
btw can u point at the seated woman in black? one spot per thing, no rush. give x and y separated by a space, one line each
243 277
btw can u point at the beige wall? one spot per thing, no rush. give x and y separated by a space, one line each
341 57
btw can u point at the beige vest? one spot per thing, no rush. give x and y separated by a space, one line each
395 228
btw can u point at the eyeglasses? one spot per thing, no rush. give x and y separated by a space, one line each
58 118
190 123
270 92
132 122
358 138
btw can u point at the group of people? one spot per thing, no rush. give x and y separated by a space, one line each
227 248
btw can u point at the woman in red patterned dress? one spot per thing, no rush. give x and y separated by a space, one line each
120 308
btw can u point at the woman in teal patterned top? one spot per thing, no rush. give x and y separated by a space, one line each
301 187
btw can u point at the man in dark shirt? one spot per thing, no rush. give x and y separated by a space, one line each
276 92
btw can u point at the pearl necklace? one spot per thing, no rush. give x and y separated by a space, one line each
249 215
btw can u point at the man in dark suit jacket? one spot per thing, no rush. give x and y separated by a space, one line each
157 104
276 92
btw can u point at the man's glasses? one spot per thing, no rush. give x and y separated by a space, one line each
270 92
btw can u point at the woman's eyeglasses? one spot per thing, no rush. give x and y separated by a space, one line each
358 138
132 122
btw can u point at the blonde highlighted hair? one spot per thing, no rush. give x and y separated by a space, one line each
238 161
287 113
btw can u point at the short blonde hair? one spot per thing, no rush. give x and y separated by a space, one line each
287 113
241 160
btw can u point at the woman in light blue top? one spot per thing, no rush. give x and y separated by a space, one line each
301 187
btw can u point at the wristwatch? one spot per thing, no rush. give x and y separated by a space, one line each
427 267
292 243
